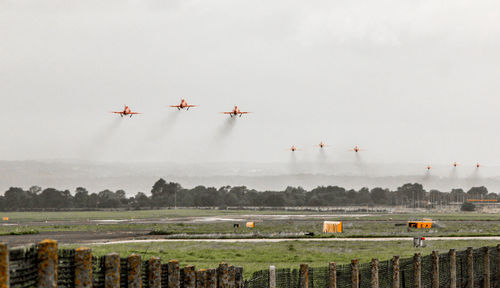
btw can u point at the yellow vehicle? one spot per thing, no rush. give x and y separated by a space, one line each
420 224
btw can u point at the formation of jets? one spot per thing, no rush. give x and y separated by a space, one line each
183 105
237 112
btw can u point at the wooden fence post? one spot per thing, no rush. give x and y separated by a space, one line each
435 269
134 271
239 277
83 268
231 272
498 263
374 268
453 268
304 276
354 273
223 279
486 267
189 273
154 272
201 278
470 268
47 264
174 274
112 270
4 266
332 275
272 276
211 278
395 272
417 271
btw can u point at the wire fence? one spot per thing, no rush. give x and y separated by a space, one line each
319 277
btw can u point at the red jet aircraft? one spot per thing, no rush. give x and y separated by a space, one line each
322 145
236 111
477 165
126 111
356 149
428 167
455 164
293 148
183 105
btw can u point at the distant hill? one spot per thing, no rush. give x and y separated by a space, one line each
135 177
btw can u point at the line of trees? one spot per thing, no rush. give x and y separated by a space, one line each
169 194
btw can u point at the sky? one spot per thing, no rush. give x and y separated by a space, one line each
409 81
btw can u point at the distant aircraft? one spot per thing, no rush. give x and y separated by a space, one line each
126 111
236 111
293 148
477 165
356 149
455 164
322 145
183 105
428 167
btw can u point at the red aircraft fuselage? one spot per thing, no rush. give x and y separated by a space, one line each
183 105
236 111
126 112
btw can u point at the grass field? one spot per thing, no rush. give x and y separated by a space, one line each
252 256
258 256
472 224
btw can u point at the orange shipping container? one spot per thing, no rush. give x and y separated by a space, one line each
332 227
250 224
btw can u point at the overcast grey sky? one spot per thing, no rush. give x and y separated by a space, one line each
408 80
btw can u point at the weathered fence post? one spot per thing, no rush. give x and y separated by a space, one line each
417 269
201 278
272 276
211 278
239 277
4 266
374 268
498 263
231 272
154 272
223 281
47 264
134 271
355 273
395 272
83 267
112 270
189 277
453 268
332 275
174 274
435 269
470 268
486 267
304 276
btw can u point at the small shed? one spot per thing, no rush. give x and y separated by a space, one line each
332 227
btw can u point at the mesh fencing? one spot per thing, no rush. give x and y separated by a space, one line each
23 267
66 269
319 277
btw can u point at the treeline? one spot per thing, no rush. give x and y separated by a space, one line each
169 194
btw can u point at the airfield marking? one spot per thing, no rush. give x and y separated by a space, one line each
298 239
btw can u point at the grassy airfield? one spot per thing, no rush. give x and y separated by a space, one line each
258 256
193 223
